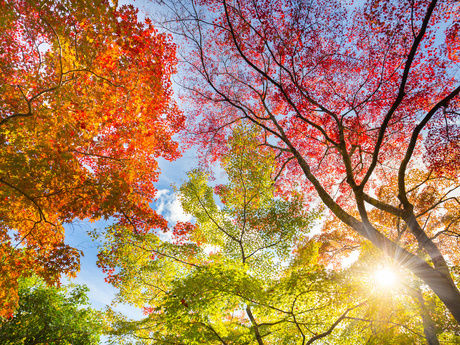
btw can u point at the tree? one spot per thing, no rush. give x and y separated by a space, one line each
350 97
231 277
247 272
51 315
85 112
399 310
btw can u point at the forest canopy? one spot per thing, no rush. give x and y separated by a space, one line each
86 110
325 207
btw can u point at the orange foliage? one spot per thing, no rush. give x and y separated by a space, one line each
85 111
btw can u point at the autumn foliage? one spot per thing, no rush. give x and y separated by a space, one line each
85 112
344 110
359 103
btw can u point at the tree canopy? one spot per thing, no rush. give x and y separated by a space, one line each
85 111
337 127
359 104
228 278
51 315
248 271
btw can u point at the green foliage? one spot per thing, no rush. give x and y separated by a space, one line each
247 271
51 315
235 276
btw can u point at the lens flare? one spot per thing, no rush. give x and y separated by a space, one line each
385 277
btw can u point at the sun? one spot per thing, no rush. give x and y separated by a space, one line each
385 277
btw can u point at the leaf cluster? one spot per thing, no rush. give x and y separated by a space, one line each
51 315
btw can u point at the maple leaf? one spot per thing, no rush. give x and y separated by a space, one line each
85 111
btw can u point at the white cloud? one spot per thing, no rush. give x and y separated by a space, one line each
177 214
162 192
169 206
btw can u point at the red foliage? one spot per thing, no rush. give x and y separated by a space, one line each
351 98
329 74
181 231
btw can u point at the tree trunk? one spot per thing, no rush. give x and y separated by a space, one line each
441 285
428 325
